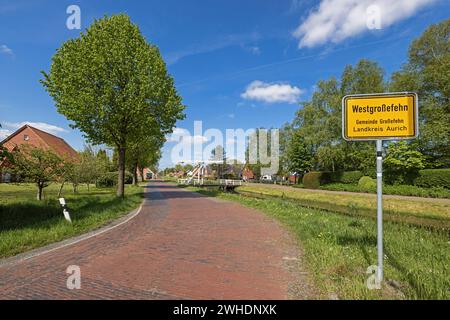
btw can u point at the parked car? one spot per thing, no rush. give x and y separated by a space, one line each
266 178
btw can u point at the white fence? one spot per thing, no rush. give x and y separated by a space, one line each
202 182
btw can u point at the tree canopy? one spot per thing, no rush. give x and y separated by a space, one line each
427 72
37 165
316 141
114 86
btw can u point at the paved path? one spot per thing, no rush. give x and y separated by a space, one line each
181 246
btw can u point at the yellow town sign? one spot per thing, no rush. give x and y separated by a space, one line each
385 116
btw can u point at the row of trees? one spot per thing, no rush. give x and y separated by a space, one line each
114 87
313 141
42 167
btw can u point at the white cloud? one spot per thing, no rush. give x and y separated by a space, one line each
183 136
39 125
336 20
271 92
217 44
6 50
255 50
4 133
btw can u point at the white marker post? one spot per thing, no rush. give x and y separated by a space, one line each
380 209
66 214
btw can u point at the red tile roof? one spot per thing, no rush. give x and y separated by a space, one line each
59 145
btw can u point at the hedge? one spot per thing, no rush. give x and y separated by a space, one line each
345 177
313 180
399 189
430 178
109 179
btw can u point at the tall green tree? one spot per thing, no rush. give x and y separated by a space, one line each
218 155
38 166
104 161
299 155
403 162
286 133
365 77
90 167
113 85
427 72
142 154
4 153
319 121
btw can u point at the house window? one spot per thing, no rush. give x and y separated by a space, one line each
26 137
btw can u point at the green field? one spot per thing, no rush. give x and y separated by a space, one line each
26 223
423 212
338 249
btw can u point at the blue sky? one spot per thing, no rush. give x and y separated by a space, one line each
237 64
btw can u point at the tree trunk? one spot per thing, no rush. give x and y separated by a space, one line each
142 174
39 194
60 189
121 179
88 187
135 175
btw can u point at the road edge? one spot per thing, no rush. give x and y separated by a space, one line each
21 257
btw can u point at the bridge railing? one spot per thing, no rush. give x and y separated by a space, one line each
229 182
202 182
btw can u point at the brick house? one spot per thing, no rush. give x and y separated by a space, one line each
148 174
247 174
37 138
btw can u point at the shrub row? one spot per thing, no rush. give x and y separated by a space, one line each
401 190
428 178
314 180
109 179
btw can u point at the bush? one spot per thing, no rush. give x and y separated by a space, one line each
345 177
351 177
407 190
401 190
367 184
109 179
313 180
436 178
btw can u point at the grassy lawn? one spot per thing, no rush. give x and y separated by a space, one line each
339 248
26 223
402 190
420 212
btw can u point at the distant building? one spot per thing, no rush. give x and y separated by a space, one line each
295 178
28 135
247 174
149 174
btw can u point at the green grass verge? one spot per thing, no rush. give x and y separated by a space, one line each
400 190
26 223
419 212
338 249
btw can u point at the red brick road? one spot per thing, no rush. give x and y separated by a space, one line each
181 246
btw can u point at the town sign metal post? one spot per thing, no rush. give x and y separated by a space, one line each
378 117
